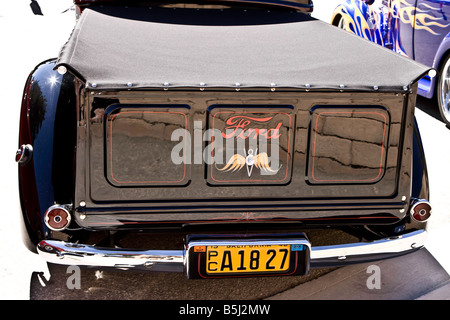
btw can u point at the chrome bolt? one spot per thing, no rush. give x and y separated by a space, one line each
432 73
62 70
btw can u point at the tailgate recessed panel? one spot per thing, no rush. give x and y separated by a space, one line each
139 146
348 145
252 144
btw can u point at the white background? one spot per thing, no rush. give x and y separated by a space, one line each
26 40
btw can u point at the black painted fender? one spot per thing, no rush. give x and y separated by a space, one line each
48 125
420 183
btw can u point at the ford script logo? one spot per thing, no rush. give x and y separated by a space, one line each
241 127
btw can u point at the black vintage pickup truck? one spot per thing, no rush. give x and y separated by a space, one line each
220 139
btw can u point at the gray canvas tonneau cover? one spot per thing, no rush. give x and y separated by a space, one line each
119 48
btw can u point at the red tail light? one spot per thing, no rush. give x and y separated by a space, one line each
57 217
420 210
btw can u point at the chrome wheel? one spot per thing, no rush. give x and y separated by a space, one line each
443 91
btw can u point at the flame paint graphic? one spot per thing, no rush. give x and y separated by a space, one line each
418 18
356 18
365 22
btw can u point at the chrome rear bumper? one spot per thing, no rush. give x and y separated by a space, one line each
60 252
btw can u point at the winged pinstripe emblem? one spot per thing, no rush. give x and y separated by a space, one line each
260 161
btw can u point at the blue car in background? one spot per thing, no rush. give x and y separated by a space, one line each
419 29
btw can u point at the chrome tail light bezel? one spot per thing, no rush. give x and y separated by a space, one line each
54 220
420 210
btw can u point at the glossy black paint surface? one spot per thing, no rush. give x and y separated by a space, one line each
372 194
305 5
47 123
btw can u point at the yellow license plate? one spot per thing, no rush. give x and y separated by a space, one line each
230 259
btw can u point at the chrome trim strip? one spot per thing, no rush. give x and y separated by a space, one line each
60 252
398 244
